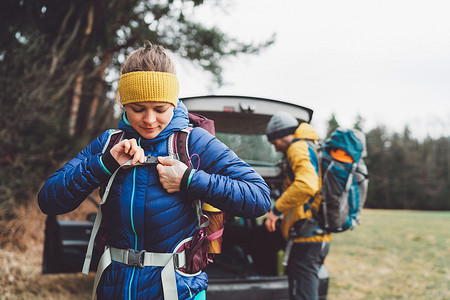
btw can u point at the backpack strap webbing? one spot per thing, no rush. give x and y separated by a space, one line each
114 138
177 145
182 147
130 257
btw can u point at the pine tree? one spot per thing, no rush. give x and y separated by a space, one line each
55 57
332 125
359 123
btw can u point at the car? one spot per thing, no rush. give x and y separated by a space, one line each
249 265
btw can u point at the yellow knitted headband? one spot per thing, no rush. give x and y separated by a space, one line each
148 86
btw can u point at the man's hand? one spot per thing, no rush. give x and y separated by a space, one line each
126 150
271 221
170 173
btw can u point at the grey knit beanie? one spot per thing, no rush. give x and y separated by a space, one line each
281 124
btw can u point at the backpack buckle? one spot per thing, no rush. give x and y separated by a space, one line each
151 160
136 258
179 260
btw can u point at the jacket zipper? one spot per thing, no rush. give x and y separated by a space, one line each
132 224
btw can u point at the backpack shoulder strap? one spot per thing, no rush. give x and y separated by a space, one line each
178 145
98 221
114 138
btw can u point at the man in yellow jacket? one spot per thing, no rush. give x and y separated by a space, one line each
308 251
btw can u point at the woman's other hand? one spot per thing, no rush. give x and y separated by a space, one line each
170 173
126 150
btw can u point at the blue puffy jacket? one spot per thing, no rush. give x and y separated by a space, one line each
141 215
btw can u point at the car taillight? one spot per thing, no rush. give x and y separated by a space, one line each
228 109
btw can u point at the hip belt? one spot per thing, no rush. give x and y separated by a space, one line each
141 259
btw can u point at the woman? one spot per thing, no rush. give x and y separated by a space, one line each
146 208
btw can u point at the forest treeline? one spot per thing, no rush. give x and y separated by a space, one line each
56 95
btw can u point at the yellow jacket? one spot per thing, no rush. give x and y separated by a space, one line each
305 185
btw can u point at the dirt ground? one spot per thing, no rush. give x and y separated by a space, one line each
21 277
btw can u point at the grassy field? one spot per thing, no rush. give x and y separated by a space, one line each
393 255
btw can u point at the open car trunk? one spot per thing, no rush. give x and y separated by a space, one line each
249 266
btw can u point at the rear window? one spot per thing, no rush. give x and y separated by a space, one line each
255 149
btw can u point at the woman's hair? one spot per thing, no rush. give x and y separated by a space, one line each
151 58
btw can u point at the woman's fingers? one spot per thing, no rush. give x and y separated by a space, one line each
132 151
126 145
170 173
135 152
126 150
170 170
166 161
142 157
137 156
133 147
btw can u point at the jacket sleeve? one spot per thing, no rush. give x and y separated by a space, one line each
306 182
64 191
224 180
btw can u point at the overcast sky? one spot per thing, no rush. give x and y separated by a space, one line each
388 61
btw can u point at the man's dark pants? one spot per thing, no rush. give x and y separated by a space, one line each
302 270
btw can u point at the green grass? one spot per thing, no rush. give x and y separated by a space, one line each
392 255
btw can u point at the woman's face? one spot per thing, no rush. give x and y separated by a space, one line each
149 118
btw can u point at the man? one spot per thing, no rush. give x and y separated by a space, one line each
301 188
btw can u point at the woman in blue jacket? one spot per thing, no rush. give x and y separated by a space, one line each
149 207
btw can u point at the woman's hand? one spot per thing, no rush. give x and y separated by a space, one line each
170 173
126 150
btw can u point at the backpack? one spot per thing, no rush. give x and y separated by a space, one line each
209 217
207 240
344 182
